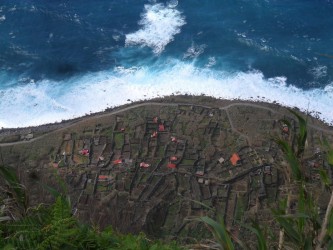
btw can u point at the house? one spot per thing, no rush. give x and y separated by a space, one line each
221 160
144 165
173 139
171 165
155 119
103 177
200 180
199 173
128 161
122 129
267 170
154 135
235 159
84 152
285 128
119 161
173 158
67 137
161 128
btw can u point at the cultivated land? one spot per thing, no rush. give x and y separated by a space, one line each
142 166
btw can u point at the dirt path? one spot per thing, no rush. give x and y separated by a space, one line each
226 108
329 131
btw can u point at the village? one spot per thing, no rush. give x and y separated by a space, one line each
158 167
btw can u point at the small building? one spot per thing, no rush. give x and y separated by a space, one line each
155 119
171 165
96 140
235 159
173 139
29 136
84 152
268 170
154 135
199 173
119 161
200 180
221 160
103 177
128 161
144 165
173 158
161 128
67 137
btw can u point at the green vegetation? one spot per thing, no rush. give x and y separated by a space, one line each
301 226
118 140
55 226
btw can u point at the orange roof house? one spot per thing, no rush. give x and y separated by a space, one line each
103 177
234 159
171 165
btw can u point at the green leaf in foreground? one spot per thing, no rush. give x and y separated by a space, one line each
220 233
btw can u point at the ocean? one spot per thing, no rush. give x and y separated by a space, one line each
64 59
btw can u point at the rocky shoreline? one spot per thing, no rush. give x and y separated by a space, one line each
138 167
181 99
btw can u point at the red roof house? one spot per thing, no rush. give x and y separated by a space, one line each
103 177
171 165
84 152
161 128
118 161
154 135
234 159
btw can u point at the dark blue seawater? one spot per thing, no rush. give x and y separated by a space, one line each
62 59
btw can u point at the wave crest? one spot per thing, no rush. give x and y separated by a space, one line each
160 24
47 101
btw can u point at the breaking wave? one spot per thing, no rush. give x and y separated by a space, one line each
46 101
159 24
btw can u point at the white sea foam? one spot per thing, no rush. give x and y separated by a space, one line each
319 71
211 62
159 24
2 18
46 101
194 51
